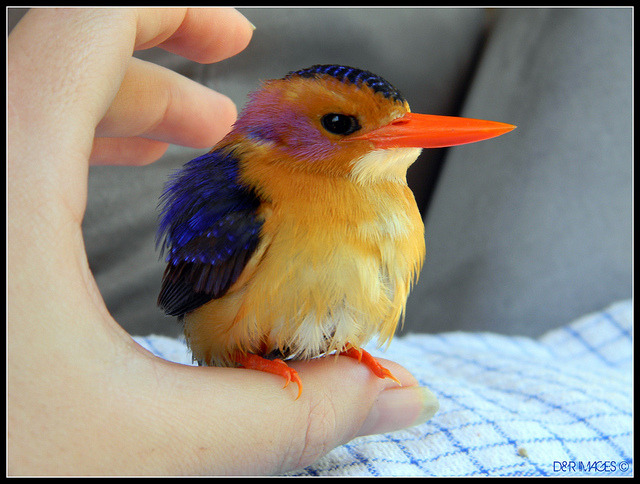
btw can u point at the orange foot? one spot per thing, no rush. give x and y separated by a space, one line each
277 367
363 357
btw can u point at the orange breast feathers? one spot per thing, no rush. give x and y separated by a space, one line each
334 268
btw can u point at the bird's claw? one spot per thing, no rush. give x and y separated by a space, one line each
275 367
280 368
364 357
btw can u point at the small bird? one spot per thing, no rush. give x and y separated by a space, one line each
297 235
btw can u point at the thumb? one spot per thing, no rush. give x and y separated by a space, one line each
344 400
266 431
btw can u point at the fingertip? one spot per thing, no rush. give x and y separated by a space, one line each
206 118
400 408
244 32
210 35
219 117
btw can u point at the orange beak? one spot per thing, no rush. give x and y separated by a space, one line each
429 131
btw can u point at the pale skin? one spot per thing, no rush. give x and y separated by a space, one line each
83 398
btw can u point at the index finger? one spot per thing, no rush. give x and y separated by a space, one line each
204 35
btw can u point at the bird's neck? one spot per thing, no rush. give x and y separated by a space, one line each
337 205
316 192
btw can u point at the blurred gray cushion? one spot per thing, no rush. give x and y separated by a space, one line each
533 229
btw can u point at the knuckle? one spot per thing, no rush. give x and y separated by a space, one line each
317 433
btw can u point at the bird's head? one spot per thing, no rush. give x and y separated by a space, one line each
342 121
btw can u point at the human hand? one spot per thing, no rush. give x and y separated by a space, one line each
84 398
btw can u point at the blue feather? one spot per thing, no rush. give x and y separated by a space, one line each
208 229
352 75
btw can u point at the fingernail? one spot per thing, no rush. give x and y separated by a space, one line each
400 408
253 27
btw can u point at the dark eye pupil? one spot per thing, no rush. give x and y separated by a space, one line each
340 123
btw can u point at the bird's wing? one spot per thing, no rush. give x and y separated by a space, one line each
211 228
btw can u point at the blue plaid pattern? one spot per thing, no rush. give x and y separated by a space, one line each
560 405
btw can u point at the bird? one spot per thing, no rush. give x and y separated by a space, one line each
297 236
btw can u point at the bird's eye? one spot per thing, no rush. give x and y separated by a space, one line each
343 124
